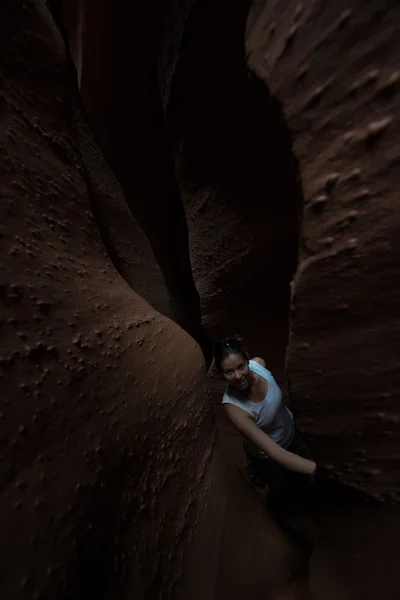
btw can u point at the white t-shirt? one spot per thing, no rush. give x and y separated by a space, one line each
271 415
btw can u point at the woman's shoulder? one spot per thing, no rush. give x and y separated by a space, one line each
257 365
259 360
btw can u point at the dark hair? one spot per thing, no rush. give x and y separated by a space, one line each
227 347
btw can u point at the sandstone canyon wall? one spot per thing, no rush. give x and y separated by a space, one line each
335 68
113 485
111 482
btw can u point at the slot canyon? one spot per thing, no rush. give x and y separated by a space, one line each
173 173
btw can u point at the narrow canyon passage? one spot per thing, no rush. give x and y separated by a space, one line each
171 173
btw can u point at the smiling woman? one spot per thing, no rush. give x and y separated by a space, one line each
276 454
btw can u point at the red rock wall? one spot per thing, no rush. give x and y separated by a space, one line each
334 67
111 483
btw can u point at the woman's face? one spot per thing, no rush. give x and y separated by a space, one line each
235 369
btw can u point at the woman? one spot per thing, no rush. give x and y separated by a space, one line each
276 454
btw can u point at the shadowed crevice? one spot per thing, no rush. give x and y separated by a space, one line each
239 180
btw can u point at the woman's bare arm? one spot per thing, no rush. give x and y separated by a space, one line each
247 427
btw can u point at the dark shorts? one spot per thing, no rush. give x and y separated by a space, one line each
287 489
